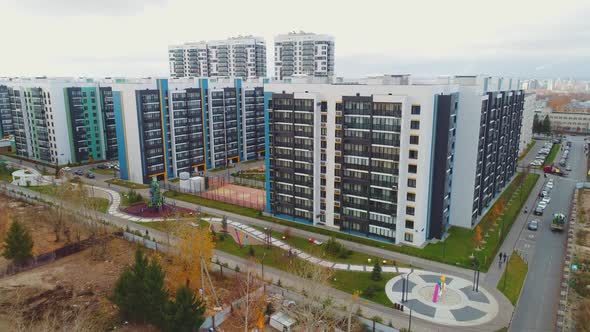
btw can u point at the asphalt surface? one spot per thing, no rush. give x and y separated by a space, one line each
544 249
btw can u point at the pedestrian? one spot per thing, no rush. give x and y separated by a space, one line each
500 263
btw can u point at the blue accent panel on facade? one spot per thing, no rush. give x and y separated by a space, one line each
238 85
163 90
267 97
290 218
431 170
204 85
367 236
120 130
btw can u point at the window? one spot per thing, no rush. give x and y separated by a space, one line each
413 154
416 109
412 183
408 237
410 210
414 139
415 124
411 197
409 224
412 169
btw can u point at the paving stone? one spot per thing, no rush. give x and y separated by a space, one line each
421 308
474 296
467 313
398 286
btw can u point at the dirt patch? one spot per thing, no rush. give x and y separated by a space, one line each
144 211
35 219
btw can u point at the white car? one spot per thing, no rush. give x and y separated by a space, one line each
550 185
544 193
546 200
542 205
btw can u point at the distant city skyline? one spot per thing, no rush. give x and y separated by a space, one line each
533 39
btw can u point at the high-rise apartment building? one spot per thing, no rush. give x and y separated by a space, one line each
186 125
301 53
242 57
380 157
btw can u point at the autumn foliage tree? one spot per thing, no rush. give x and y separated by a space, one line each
195 250
477 238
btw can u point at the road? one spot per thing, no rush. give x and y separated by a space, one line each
544 250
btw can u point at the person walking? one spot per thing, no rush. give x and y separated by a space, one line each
500 261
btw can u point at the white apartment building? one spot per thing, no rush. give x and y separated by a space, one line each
307 54
382 158
526 132
243 57
566 122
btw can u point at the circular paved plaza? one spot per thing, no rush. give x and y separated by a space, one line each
459 305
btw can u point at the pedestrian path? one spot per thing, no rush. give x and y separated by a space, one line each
250 231
457 305
115 199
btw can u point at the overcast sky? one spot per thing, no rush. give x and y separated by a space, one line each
538 38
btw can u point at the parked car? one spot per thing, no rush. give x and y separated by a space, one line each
90 175
544 193
101 166
542 205
546 200
533 225
79 172
538 211
568 168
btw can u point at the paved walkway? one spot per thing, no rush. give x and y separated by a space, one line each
458 305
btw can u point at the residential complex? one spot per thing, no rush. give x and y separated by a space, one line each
309 54
154 127
242 57
389 158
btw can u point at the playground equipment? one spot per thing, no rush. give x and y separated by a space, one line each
156 198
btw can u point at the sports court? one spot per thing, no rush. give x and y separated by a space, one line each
237 195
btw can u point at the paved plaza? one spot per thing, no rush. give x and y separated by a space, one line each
459 305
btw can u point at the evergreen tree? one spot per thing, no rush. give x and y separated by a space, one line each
140 293
536 129
376 274
18 244
547 125
185 313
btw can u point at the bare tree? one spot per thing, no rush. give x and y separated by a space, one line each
249 312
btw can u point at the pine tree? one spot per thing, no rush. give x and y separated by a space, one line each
376 274
547 125
185 313
18 244
140 293
536 129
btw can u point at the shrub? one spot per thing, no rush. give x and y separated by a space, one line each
369 291
376 274
18 244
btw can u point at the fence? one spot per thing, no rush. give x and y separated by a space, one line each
247 182
51 257
219 189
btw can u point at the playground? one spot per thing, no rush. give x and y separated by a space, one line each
237 195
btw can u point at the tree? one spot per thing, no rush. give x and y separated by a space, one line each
376 274
249 312
224 224
140 292
536 124
546 127
18 244
185 312
195 250
477 238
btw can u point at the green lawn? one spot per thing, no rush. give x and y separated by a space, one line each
104 171
317 251
351 282
100 204
127 184
5 173
456 248
516 271
552 154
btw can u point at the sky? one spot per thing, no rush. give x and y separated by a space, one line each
97 38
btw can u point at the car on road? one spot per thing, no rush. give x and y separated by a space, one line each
66 169
568 168
533 225
544 193
79 172
549 185
538 211
542 205
101 166
90 175
546 200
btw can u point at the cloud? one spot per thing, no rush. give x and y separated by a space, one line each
85 7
